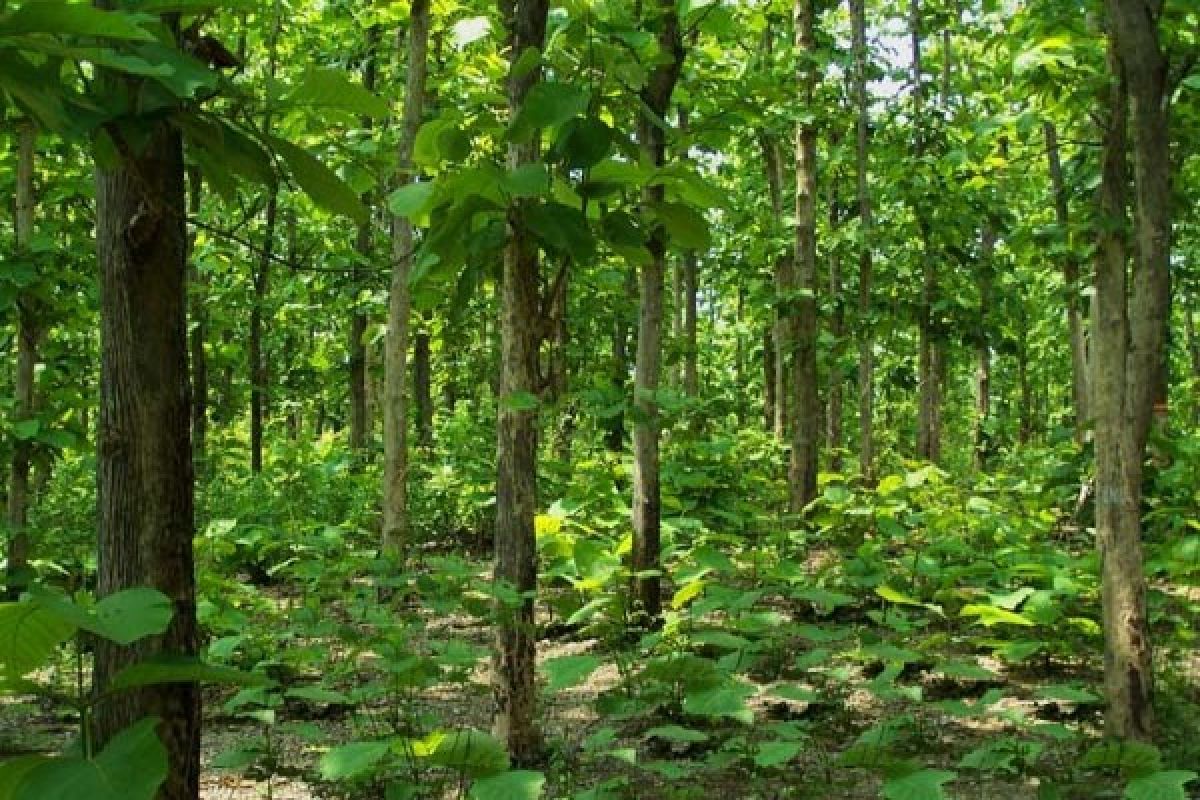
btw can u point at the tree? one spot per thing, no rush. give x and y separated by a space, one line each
144 456
652 136
513 682
866 341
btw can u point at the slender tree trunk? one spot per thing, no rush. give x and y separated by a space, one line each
514 661
395 356
614 436
866 339
262 281
1130 370
144 454
423 381
363 246
785 287
28 334
837 328
928 440
983 351
802 473
1193 347
691 369
1075 321
770 385
197 333
647 502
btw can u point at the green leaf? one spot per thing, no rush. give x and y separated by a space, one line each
584 142
561 228
131 767
527 180
520 401
14 771
1133 756
991 615
687 227
74 19
515 785
412 200
440 140
469 751
331 89
183 669
897 597
676 733
26 429
130 615
352 760
29 636
548 104
568 671
1068 694
773 754
924 784
728 700
319 182
1166 785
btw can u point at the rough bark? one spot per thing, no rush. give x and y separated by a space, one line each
1130 355
837 329
647 502
1075 321
144 456
24 408
802 471
514 684
785 287
866 339
395 356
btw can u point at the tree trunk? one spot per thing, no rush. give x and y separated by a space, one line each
802 473
144 455
837 329
691 369
360 420
1075 322
514 683
395 356
647 502
197 333
1130 353
983 352
24 408
928 368
785 287
770 385
262 280
866 339
423 382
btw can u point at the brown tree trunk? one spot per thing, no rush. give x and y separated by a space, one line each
691 369
363 245
144 455
647 502
514 658
785 289
1130 357
928 368
423 382
1075 321
837 329
983 352
866 339
197 333
28 334
395 355
802 472
770 385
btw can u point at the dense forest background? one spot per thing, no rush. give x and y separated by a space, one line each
599 399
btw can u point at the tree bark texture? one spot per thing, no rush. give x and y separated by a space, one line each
144 456
866 339
514 684
647 501
395 354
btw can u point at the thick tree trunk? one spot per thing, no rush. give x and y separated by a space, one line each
514 661
866 339
647 502
395 355
23 385
1130 368
144 455
1075 322
802 472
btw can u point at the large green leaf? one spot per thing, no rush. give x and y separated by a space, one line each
131 767
515 785
568 671
331 89
469 751
77 19
548 104
183 669
29 636
352 760
14 772
130 615
1166 785
925 784
318 181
